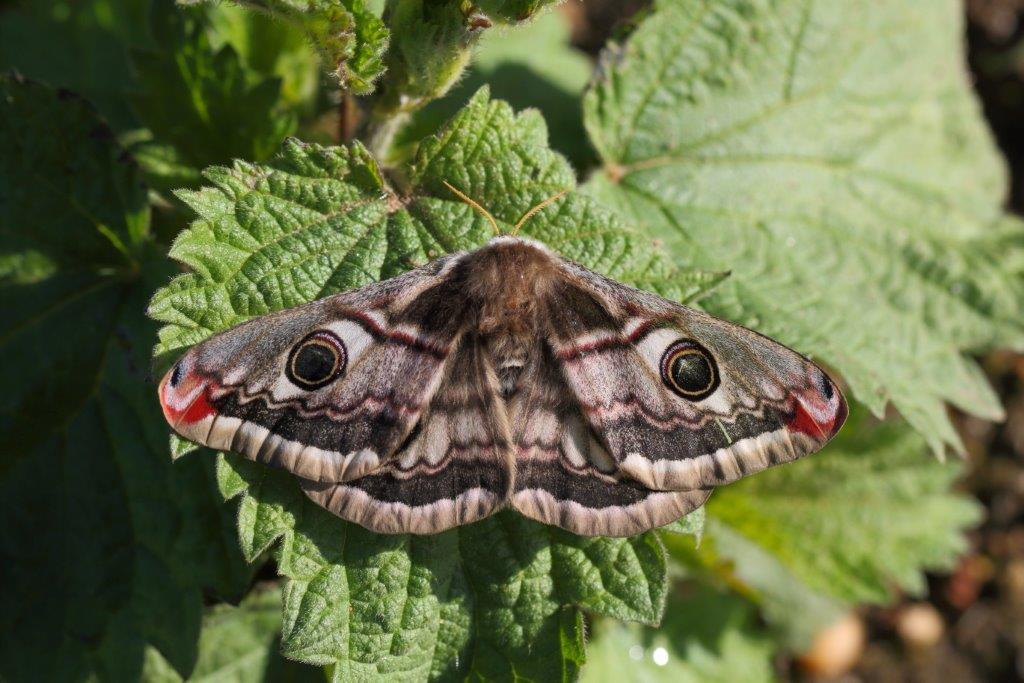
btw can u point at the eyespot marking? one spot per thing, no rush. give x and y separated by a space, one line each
689 370
316 361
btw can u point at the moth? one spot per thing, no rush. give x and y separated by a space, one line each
504 376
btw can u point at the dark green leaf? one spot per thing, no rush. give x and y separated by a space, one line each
106 544
237 644
72 207
208 105
80 45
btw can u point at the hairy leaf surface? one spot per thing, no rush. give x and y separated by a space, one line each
832 157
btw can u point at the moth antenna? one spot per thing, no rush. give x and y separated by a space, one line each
469 200
529 214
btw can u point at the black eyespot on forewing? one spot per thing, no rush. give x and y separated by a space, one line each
317 360
689 370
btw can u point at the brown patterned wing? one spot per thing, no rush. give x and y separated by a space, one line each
454 469
681 400
329 390
566 476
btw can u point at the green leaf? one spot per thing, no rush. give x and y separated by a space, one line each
494 599
208 105
531 66
431 44
237 644
80 45
350 37
707 636
690 525
795 611
488 599
269 47
847 180
868 515
107 545
318 220
71 208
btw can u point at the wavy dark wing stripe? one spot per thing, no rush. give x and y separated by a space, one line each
565 475
771 406
235 394
456 469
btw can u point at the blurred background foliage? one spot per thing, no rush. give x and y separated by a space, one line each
119 564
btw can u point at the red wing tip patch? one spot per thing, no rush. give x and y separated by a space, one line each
186 403
817 415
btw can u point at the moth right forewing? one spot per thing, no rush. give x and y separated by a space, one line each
737 403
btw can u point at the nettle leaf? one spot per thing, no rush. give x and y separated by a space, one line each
76 44
846 179
532 66
71 209
350 37
319 220
106 544
850 526
708 636
495 599
238 644
431 45
207 106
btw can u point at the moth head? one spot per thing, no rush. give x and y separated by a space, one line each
689 370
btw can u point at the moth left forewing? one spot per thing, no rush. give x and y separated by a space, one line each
239 390
763 404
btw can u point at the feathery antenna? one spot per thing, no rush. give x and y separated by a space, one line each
469 200
529 214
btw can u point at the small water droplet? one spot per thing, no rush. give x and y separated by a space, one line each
660 656
636 652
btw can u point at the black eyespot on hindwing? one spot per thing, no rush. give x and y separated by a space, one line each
689 370
316 361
